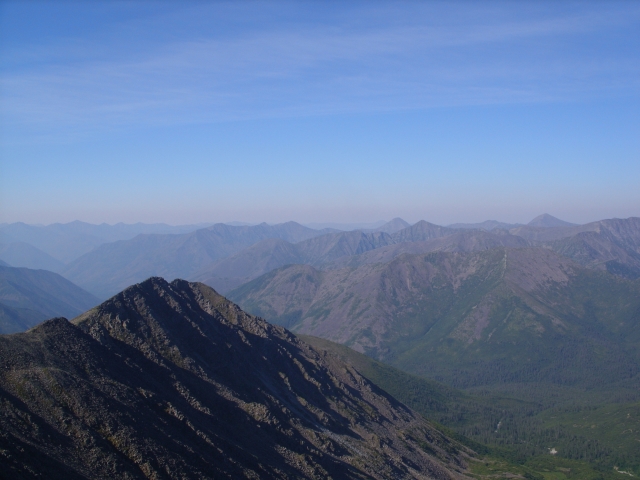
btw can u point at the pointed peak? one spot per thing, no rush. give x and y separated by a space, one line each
398 221
392 226
148 285
152 281
548 221
424 223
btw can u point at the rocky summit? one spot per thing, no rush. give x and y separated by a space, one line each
172 380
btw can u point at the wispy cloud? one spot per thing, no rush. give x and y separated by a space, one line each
433 57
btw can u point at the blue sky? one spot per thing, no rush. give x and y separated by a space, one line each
184 112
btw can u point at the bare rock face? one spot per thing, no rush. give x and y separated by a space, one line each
174 381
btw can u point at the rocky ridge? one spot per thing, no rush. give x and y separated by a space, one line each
171 380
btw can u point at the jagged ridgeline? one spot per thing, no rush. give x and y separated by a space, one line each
174 381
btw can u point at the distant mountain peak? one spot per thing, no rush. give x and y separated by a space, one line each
548 221
392 226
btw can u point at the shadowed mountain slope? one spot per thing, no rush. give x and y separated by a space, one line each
111 267
625 230
469 319
270 254
602 251
573 420
67 241
174 381
612 245
18 319
31 296
460 241
61 243
21 254
342 249
326 248
248 264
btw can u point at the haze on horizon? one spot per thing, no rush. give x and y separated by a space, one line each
318 112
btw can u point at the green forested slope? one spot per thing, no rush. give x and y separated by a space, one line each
517 434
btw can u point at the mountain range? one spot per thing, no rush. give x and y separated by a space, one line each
516 334
606 245
171 380
226 257
542 322
468 318
113 266
326 251
269 254
67 241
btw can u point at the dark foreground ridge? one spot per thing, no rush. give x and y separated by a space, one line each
174 381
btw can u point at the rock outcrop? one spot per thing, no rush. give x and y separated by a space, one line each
172 380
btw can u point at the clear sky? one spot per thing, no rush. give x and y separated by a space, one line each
184 112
